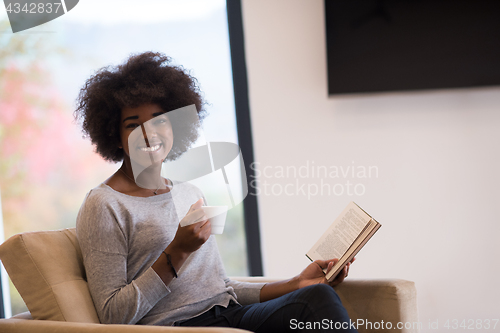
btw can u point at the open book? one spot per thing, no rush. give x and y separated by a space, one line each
344 238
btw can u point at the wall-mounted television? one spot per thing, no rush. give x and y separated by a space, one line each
394 45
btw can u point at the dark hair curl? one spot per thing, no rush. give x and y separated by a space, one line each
146 78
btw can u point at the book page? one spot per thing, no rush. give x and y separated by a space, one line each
341 234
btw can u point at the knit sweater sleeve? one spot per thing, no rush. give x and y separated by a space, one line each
246 292
104 245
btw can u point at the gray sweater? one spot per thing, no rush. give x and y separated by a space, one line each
121 236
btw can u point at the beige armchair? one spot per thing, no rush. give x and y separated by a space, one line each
47 269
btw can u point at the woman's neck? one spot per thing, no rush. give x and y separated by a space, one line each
149 178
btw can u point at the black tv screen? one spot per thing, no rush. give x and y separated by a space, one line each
394 45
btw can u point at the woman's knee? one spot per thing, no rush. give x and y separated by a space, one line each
320 292
325 303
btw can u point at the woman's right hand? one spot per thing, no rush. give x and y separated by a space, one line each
191 237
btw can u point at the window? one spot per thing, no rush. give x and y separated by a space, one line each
46 168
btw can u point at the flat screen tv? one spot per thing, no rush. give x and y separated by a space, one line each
395 45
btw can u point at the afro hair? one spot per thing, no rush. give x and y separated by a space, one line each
146 78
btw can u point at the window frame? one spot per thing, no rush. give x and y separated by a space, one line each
244 128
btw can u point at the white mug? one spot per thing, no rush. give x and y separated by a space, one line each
217 217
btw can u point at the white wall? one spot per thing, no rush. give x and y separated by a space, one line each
437 188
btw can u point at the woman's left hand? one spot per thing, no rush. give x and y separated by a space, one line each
313 273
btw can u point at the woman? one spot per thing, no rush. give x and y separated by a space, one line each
142 267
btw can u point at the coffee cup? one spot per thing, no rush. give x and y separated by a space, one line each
217 217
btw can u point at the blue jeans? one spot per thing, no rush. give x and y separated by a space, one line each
315 308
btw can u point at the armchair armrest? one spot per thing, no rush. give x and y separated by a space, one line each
392 301
50 326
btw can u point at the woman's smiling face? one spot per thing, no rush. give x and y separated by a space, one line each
146 134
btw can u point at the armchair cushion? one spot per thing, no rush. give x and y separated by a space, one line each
55 285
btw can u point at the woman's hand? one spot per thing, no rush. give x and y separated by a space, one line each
313 273
196 232
187 240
